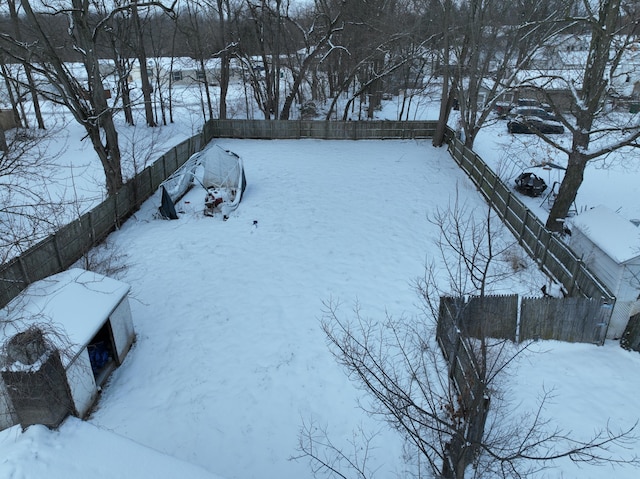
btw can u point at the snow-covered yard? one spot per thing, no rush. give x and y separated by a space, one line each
230 357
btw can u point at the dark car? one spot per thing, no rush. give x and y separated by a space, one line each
529 111
538 111
533 125
528 102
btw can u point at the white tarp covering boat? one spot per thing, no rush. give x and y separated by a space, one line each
220 172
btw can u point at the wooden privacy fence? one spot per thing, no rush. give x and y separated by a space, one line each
60 250
465 369
575 320
63 248
553 256
460 319
323 130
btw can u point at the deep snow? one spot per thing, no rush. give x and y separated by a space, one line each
230 358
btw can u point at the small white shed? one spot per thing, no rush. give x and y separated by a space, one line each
60 338
610 246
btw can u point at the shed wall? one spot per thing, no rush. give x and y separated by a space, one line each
622 312
622 279
602 265
122 329
81 383
629 289
7 415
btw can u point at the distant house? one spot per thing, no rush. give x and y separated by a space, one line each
61 338
182 71
610 246
562 52
558 68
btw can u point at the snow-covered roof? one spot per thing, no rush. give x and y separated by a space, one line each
551 79
75 302
613 234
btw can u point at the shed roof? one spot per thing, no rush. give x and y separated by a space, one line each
613 234
75 302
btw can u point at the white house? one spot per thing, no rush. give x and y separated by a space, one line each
182 71
610 246
61 337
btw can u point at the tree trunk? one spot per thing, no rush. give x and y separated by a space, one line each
34 97
141 54
27 69
110 165
568 191
297 81
446 100
224 84
446 104
588 105
100 120
224 11
125 92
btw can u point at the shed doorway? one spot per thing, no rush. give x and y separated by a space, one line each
102 354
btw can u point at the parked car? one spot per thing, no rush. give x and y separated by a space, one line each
502 109
551 114
534 124
529 111
538 111
528 102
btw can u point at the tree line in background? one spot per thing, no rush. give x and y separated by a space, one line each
347 55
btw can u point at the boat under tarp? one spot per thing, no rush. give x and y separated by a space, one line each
218 171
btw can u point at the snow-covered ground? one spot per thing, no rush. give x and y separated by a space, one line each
611 181
230 359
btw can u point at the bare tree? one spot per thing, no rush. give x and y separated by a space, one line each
141 54
17 32
194 28
317 38
86 99
448 93
489 42
27 212
596 131
368 50
266 41
223 14
455 425
118 44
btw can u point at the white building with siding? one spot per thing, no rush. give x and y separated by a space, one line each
610 246
83 316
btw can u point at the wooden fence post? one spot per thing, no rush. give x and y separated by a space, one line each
523 227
